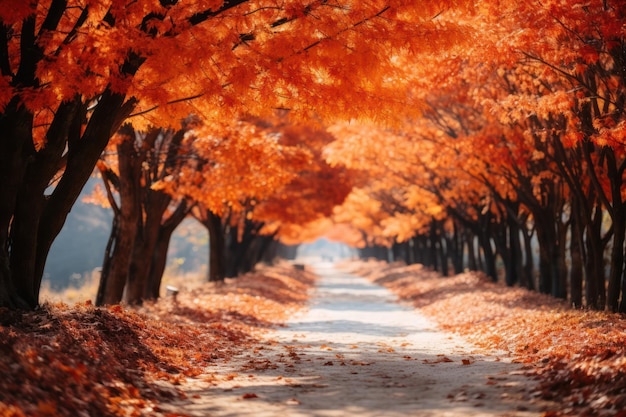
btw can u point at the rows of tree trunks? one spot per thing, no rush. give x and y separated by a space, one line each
522 151
517 253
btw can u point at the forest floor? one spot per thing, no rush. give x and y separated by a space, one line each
458 346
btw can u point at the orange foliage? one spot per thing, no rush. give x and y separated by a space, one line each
236 163
317 186
492 115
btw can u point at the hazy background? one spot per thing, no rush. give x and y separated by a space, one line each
79 248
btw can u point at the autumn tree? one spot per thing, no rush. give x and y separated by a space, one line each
383 206
571 101
144 218
532 121
74 71
255 176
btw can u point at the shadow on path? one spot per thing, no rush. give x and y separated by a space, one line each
357 352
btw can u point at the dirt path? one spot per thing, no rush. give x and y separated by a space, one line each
357 352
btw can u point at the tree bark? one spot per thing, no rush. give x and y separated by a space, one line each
433 246
484 239
128 214
595 292
32 219
472 263
617 280
159 256
576 269
217 248
147 235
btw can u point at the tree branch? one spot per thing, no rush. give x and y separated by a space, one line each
178 100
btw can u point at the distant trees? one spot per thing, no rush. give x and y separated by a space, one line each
242 182
522 142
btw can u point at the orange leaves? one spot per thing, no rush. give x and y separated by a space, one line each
5 92
295 56
47 408
493 116
589 54
315 59
440 359
244 161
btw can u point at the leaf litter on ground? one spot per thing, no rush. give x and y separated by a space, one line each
120 361
577 357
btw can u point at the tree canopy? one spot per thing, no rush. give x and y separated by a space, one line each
72 72
458 132
520 140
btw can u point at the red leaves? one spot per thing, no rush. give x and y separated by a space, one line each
47 408
62 361
440 359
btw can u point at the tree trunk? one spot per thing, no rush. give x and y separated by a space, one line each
545 224
158 262
148 233
15 148
128 216
561 273
595 293
616 273
434 246
268 252
576 269
489 257
115 265
30 218
213 223
443 251
159 255
528 279
516 252
484 239
399 251
146 238
456 249
500 238
420 248
410 251
472 263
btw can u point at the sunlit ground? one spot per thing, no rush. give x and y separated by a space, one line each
86 287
